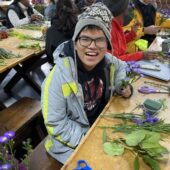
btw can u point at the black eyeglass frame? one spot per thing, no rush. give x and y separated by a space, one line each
95 40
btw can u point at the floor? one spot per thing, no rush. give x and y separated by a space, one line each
22 89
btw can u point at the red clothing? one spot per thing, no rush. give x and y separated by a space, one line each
119 40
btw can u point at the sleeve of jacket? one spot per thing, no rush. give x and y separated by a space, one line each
131 57
119 74
130 36
160 21
54 109
136 19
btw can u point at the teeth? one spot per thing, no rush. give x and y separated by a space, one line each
91 53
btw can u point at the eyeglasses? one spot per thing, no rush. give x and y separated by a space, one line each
100 42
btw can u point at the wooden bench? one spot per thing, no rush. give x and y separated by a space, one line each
23 117
41 160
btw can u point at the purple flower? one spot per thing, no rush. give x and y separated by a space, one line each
6 166
150 119
130 62
128 69
9 134
22 166
131 4
155 119
142 75
137 120
4 139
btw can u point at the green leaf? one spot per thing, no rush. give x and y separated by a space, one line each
151 162
136 163
152 137
135 137
157 151
113 149
104 136
151 140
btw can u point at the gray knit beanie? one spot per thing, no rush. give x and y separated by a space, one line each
97 14
117 7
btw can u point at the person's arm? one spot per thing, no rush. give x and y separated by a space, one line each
119 75
130 36
15 20
131 57
164 24
55 113
37 13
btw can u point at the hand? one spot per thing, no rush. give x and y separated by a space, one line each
151 30
135 26
127 91
150 55
35 17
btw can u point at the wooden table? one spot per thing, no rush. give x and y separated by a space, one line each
28 56
90 149
11 44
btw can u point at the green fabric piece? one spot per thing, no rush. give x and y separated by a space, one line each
142 44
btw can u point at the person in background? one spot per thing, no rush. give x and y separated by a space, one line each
82 4
50 9
119 39
150 22
20 12
81 83
154 3
62 26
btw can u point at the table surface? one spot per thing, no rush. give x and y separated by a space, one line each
90 149
11 44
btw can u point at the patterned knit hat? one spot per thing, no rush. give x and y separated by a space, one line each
117 7
97 14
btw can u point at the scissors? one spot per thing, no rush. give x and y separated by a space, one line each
82 165
148 89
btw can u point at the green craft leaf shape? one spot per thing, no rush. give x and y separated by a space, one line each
135 137
113 149
151 162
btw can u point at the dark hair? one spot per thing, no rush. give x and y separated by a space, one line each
66 16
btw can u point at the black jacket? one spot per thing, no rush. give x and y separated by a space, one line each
54 38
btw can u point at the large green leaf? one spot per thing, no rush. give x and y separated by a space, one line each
135 137
113 149
151 162
136 163
148 145
152 137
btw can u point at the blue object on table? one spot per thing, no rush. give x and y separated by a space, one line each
82 165
163 74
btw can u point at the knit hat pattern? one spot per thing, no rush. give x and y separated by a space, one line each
97 14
